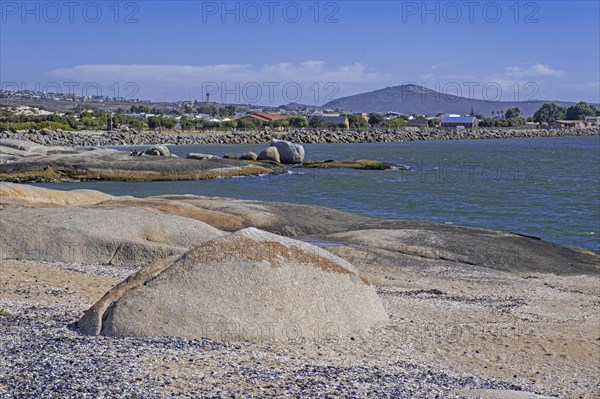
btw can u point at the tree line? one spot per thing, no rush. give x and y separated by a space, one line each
86 119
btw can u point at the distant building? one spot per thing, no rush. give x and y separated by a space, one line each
417 123
264 117
459 122
335 121
563 124
362 115
593 120
135 115
391 115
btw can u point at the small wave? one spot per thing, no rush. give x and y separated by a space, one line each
401 167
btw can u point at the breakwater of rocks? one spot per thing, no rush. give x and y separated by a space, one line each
105 138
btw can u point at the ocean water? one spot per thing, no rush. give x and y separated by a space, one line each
544 187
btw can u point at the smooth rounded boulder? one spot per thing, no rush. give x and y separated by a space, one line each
97 235
269 154
158 150
289 153
249 156
247 286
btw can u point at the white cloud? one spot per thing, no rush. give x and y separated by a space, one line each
536 70
186 75
433 78
311 82
441 65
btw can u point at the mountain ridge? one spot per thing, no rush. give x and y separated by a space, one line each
415 99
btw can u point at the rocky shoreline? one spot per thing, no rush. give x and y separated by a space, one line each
24 161
461 324
102 138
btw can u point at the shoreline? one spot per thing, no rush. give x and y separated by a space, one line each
122 138
460 323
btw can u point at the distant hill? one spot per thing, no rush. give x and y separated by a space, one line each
295 106
414 99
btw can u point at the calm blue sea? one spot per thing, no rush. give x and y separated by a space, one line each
545 187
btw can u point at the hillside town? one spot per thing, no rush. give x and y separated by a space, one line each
23 110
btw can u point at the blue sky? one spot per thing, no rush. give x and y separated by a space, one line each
273 52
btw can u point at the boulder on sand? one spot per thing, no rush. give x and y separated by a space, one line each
289 153
269 154
158 150
250 285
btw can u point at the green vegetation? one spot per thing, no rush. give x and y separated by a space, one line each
550 112
317 122
356 122
434 122
510 118
298 121
512 113
4 313
157 122
141 117
580 111
14 126
82 118
375 119
397 122
502 122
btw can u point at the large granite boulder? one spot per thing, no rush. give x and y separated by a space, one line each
158 150
22 145
249 156
97 235
269 154
14 149
250 285
38 196
289 153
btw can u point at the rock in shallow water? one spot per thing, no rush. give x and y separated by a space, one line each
251 285
269 154
249 156
289 153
